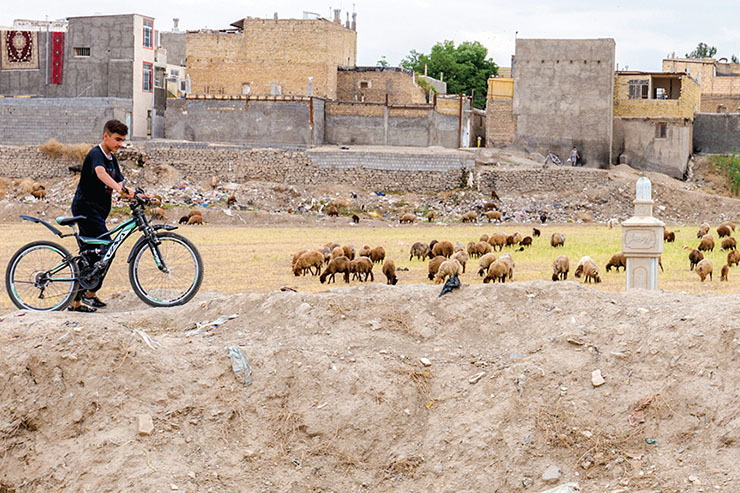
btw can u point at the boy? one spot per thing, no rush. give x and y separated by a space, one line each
574 157
99 178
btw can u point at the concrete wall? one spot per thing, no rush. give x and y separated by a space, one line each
69 120
397 84
283 123
174 43
527 181
717 133
636 144
269 53
563 91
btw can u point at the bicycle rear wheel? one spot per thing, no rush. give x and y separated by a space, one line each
179 283
41 276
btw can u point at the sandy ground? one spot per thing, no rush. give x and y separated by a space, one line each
340 400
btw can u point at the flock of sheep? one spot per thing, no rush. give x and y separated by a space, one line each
447 259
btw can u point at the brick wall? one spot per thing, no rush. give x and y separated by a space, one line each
282 52
500 122
685 106
371 84
69 120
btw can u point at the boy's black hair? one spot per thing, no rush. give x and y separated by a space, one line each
115 127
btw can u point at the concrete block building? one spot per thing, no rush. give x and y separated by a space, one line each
719 81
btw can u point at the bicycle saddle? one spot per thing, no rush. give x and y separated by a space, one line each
66 221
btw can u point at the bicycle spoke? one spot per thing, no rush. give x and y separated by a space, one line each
30 283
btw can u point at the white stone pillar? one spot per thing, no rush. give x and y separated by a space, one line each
642 240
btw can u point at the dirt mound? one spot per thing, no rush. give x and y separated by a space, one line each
340 398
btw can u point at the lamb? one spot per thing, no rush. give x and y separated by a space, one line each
158 213
472 250
39 191
197 219
493 216
443 248
433 266
184 220
389 269
589 269
526 241
430 216
497 240
490 206
482 248
536 232
377 254
557 239
560 268
355 218
729 244
581 265
723 231
419 250
706 244
296 256
513 239
733 257
724 272
461 257
485 262
194 212
448 268
349 251
498 271
704 269
360 266
459 246
618 260
307 261
407 218
483 237
668 236
469 217
695 256
337 252
729 224
510 262
231 200
338 264
703 230
332 245
332 211
365 251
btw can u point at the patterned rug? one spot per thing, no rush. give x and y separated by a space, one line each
19 50
57 57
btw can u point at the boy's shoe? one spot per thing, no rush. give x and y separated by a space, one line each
93 302
82 308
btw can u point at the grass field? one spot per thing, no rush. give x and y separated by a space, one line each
257 259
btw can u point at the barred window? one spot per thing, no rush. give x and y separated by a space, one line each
82 51
147 77
148 32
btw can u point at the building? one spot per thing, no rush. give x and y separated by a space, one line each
719 81
653 120
379 85
108 56
563 95
271 57
500 121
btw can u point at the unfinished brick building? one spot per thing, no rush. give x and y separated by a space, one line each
719 81
378 85
271 57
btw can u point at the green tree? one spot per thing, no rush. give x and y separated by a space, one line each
702 51
382 62
465 67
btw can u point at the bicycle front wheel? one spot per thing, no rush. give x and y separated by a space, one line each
41 276
178 283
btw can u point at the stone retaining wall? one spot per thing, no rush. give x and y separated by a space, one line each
532 180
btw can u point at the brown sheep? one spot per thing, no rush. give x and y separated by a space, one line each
377 254
349 251
485 262
360 266
482 248
430 216
695 256
156 200
580 266
618 260
389 269
327 253
332 211
526 241
513 239
297 255
419 250
184 220
39 191
588 268
497 271
307 262
431 244
704 269
729 224
723 231
407 218
490 206
332 245
198 219
338 264
472 250
461 257
483 237
493 216
560 268
337 252
433 266
231 200
725 271
729 244
444 248
469 217
194 212
557 239
536 232
448 268
355 218
703 230
733 258
497 240
669 236
706 244
510 262
364 251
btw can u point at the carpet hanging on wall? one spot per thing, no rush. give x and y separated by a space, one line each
19 50
57 57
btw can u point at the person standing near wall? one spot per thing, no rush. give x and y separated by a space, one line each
574 157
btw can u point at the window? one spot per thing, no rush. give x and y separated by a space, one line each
159 78
661 130
364 84
174 72
148 32
639 89
82 51
147 77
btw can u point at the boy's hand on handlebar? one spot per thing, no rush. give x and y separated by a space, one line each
126 193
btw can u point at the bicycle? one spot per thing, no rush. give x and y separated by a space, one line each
551 156
165 268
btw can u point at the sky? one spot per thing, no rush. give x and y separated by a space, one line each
645 31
